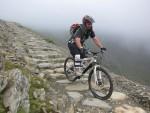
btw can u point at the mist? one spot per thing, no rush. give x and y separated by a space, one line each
122 25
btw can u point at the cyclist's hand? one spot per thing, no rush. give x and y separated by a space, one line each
103 49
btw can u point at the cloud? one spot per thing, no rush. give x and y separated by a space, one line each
128 19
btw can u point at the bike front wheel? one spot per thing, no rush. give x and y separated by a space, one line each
102 87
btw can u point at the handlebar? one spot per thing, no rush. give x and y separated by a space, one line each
95 53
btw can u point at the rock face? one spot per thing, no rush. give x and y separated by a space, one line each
75 96
2 57
51 91
16 91
97 103
3 82
128 109
117 96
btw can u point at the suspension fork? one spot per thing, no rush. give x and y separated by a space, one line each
97 76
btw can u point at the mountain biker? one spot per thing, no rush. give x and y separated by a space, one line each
76 42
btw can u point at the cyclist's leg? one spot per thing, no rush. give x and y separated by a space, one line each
73 49
83 55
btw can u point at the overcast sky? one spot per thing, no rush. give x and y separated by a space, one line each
127 18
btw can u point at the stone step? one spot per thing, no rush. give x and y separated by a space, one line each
77 87
118 96
35 48
39 56
66 81
93 102
50 65
34 61
128 109
31 51
55 55
48 71
60 60
75 96
55 75
45 56
59 70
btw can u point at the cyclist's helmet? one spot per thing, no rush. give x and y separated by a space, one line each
88 19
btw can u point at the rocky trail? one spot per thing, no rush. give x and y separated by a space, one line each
45 61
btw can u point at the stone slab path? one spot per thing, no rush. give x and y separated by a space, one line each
45 60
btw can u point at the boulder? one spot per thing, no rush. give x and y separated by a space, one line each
16 92
75 96
128 109
93 102
3 82
117 96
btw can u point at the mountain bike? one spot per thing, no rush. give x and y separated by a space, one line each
99 80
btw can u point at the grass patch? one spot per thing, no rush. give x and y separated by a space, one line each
2 109
10 65
49 40
38 83
35 104
21 110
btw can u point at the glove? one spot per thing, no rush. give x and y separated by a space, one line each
103 49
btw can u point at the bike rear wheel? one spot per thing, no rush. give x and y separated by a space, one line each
103 88
69 69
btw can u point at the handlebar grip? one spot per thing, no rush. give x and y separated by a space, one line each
103 49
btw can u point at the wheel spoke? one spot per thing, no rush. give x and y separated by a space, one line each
102 87
69 69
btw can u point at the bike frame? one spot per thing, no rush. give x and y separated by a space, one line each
93 64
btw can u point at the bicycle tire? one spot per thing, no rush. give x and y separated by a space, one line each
110 81
65 69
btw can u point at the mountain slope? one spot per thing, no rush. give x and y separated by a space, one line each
49 92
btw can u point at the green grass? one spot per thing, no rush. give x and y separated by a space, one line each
38 83
2 109
49 40
21 110
35 104
10 65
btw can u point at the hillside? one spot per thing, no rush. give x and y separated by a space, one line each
32 80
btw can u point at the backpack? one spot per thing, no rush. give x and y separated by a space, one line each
74 28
